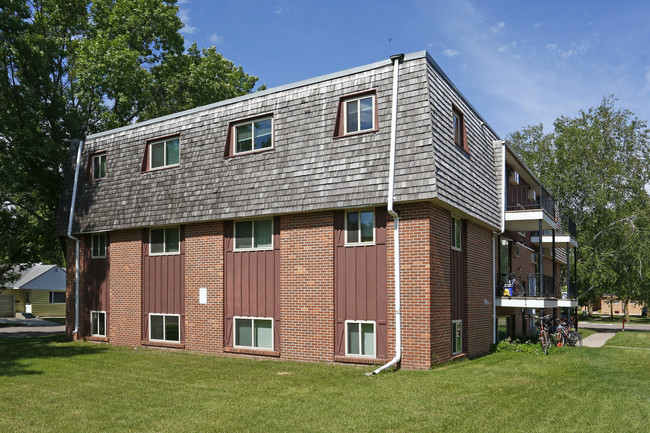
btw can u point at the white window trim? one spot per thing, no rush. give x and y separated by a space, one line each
253 248
166 315
175 253
374 227
165 140
361 322
253 318
453 337
91 323
95 157
92 246
345 113
454 221
253 150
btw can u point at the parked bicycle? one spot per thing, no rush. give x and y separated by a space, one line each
543 334
563 335
513 287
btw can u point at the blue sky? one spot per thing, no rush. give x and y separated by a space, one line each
518 62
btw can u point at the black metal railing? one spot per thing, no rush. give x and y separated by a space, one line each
531 286
524 197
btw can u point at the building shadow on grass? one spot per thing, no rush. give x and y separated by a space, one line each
17 354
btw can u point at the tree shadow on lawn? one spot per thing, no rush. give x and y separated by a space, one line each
16 353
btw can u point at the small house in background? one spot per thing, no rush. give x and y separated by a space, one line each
39 290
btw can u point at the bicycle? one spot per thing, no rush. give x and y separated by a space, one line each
543 335
564 335
513 287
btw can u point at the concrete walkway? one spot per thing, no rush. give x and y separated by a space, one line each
598 339
29 328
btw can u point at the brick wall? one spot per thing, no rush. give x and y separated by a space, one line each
70 289
307 286
126 288
204 268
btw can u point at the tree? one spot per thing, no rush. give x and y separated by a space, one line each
596 165
74 67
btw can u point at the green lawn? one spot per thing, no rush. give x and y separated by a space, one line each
630 339
586 332
616 319
51 385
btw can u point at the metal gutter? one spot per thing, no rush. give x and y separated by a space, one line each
70 219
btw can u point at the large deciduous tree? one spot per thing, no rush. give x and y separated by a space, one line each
597 166
74 67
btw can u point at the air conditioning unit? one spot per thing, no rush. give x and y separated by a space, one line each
532 195
514 178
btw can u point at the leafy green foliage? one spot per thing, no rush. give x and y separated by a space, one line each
517 345
74 67
597 166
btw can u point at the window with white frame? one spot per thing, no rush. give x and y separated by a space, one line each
99 166
360 338
165 241
57 297
165 327
456 234
254 332
164 153
360 227
253 135
98 246
359 114
98 323
456 337
254 234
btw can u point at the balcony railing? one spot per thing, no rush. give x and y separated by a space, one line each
525 197
531 286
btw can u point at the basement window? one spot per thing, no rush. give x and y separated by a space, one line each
360 338
164 327
98 323
254 332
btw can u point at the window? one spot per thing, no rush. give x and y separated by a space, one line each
165 241
164 153
360 227
253 135
164 327
99 166
359 338
254 234
98 323
28 297
458 123
503 327
98 246
456 336
456 234
57 297
253 332
359 114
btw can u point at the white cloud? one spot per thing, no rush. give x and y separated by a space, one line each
184 15
216 39
503 49
283 8
576 49
498 27
450 53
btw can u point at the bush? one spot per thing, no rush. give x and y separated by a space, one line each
516 345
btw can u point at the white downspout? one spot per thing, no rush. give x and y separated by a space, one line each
71 217
397 59
494 240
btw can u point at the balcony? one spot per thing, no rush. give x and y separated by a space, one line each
548 296
527 206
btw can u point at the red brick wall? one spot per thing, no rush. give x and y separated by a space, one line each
478 324
126 288
307 286
204 268
70 289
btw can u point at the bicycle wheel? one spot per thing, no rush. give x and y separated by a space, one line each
517 289
575 339
545 341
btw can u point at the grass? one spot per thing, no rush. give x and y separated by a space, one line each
10 325
59 320
52 385
586 332
630 339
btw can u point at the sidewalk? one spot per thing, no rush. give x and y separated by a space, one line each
29 328
598 339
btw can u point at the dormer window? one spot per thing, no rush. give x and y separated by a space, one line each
253 135
360 114
99 166
164 153
458 125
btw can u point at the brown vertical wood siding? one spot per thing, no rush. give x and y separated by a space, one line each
163 284
97 286
252 283
361 282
